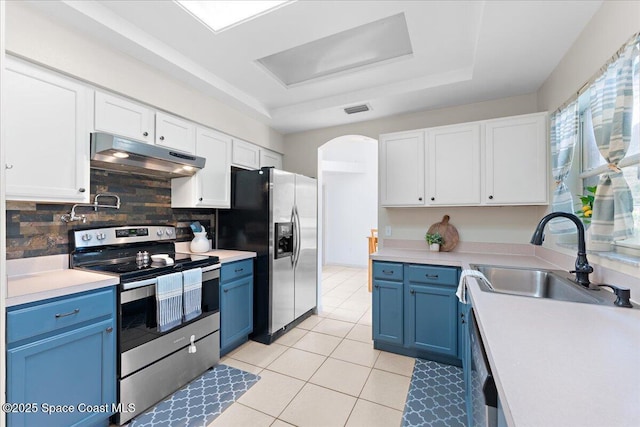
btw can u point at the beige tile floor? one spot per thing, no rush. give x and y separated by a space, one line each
325 372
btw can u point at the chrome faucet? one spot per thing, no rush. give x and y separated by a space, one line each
583 269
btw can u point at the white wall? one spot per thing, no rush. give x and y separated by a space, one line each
349 178
474 224
35 37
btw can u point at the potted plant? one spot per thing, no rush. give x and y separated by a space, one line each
434 240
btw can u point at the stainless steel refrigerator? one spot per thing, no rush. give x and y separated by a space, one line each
274 213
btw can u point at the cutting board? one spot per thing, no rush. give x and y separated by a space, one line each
448 233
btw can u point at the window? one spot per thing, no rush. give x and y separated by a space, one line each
591 160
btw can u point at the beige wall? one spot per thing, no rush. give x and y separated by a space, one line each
612 25
33 36
608 30
479 224
301 149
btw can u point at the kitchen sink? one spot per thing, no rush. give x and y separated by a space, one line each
539 283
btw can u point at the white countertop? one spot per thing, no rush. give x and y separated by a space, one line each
555 363
40 278
225 255
33 287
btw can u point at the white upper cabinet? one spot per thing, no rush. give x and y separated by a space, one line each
211 186
131 120
402 169
516 170
245 155
175 133
491 162
123 118
453 165
46 135
270 158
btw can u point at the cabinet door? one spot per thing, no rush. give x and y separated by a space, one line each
387 312
214 181
270 158
432 319
46 135
175 133
516 160
245 155
402 169
453 158
66 369
124 118
236 311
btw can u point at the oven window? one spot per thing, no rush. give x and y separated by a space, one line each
138 313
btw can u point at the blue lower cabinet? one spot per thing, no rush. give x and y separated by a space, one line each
66 377
236 304
415 311
431 319
388 312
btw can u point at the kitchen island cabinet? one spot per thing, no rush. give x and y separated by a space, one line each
61 360
236 304
46 134
415 311
388 306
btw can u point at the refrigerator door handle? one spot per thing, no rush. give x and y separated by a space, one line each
295 237
298 234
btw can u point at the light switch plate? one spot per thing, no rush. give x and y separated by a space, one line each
387 230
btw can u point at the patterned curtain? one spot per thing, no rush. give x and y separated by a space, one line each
611 110
564 134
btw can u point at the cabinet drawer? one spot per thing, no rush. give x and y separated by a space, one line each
447 276
387 270
47 317
235 270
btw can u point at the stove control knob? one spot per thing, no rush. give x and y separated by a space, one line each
160 233
169 232
86 237
101 236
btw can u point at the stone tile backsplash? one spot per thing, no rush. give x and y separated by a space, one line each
35 229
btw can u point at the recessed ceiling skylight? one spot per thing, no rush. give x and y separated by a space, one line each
368 44
220 15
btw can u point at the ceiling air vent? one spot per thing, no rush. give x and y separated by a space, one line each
357 109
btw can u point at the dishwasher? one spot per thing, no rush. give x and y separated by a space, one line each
480 386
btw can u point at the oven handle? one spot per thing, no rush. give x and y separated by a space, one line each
139 284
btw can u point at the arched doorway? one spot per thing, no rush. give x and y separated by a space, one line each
347 201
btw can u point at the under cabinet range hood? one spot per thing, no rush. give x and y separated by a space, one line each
114 153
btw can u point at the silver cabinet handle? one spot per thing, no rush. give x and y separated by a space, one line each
412 291
388 272
225 290
71 313
431 276
8 166
109 329
238 270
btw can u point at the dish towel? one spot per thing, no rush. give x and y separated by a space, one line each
461 293
169 301
192 293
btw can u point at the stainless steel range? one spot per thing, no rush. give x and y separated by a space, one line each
153 362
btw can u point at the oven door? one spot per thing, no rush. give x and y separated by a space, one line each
137 321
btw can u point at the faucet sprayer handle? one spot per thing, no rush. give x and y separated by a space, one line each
623 295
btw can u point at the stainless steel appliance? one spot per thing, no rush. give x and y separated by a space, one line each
151 364
112 152
480 387
274 213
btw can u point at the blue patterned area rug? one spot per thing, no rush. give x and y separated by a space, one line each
436 396
200 401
